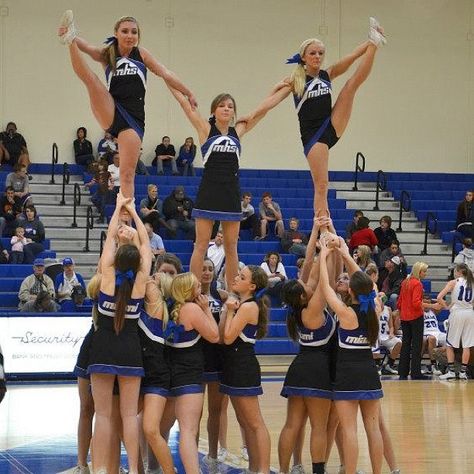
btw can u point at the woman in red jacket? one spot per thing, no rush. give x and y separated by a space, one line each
410 303
363 235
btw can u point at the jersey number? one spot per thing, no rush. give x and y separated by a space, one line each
465 294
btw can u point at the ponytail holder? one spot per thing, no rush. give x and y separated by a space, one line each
260 293
295 59
110 40
367 301
212 119
121 276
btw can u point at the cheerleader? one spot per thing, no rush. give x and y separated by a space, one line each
461 319
115 350
242 322
192 320
357 382
120 107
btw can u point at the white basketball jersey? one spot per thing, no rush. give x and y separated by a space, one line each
431 323
461 296
384 331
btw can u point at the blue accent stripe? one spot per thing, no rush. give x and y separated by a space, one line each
216 215
130 120
187 389
240 391
212 376
306 392
116 370
155 391
359 395
315 138
80 372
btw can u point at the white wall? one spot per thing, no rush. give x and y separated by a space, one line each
415 112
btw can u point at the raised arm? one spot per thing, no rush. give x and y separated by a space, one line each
340 67
93 51
280 92
168 76
349 262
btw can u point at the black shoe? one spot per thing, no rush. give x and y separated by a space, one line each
30 177
421 377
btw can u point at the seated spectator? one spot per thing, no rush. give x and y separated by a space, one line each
363 257
66 281
351 227
465 216
4 155
43 302
363 235
151 210
10 209
249 220
385 234
4 255
156 242
78 301
270 213
34 284
186 155
107 147
165 152
141 168
216 253
34 231
15 147
393 251
294 241
466 255
433 337
104 193
276 273
114 170
18 242
177 209
18 180
390 281
83 148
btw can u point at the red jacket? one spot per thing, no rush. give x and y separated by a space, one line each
410 300
363 237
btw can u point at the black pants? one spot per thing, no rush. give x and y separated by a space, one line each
412 342
252 222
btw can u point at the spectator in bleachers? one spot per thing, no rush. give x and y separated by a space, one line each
216 252
156 242
177 208
66 281
141 169
249 220
275 270
363 235
363 256
104 193
151 209
18 242
270 212
18 180
34 230
351 227
465 216
165 152
4 155
33 284
10 209
114 170
83 148
42 303
78 302
466 255
293 240
15 145
107 147
384 233
186 155
393 251
390 281
4 255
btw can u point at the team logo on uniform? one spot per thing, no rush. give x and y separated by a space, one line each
321 89
126 70
356 340
226 146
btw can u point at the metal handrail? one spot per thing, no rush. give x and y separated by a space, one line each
89 226
430 217
103 236
357 169
381 186
77 202
66 179
54 161
403 207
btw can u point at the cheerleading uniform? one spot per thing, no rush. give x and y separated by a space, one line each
111 353
309 375
82 363
314 112
218 196
127 86
213 351
356 373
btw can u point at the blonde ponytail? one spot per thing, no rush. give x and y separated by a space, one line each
182 291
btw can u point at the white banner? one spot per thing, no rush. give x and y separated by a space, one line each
39 344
